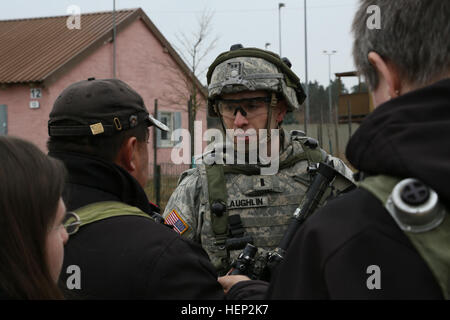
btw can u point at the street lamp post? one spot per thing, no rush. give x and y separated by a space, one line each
280 5
306 115
114 39
329 54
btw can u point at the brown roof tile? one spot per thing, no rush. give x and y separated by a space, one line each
32 49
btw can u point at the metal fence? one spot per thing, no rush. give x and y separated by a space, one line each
162 182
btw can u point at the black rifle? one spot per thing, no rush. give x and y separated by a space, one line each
324 175
245 261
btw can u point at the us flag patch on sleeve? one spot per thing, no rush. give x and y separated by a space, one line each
175 220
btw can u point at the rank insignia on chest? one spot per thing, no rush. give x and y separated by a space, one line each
175 220
254 202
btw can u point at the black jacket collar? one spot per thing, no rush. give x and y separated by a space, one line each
408 137
92 180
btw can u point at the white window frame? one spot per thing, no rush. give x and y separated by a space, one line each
166 117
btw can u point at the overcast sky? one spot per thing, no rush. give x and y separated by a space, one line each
250 22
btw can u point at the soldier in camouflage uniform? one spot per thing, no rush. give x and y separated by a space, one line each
248 89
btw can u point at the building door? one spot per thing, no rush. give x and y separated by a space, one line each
3 119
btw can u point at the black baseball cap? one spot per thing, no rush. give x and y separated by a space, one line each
98 107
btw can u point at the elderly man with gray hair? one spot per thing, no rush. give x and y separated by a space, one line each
390 237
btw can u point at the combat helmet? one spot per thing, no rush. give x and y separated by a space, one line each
251 69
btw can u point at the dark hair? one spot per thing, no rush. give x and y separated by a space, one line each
412 36
30 189
104 147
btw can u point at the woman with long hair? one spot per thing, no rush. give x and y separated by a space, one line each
32 235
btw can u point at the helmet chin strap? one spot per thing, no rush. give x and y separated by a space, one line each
221 120
273 105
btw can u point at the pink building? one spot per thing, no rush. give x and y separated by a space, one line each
39 57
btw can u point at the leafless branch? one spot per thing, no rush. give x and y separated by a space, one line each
192 47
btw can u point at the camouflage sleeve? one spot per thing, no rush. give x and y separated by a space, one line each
344 180
342 168
182 210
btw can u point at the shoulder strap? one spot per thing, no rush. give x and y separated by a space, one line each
431 245
107 209
218 196
380 186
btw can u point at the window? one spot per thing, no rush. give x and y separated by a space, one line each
171 120
3 120
166 118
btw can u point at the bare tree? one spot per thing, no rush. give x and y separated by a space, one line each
193 48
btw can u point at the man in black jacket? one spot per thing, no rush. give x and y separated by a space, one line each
99 129
379 242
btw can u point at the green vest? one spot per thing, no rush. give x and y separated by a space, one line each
107 209
432 245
